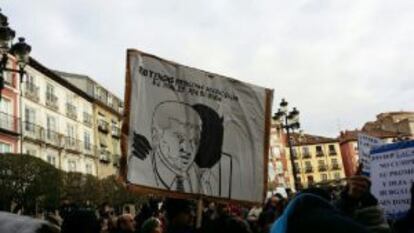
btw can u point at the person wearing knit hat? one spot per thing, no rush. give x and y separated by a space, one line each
151 225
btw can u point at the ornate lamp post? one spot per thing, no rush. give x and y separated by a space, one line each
289 121
20 50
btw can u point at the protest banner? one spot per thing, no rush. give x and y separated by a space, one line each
392 174
365 144
191 133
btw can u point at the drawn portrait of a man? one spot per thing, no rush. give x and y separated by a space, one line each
186 149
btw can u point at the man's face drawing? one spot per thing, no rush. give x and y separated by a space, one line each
177 137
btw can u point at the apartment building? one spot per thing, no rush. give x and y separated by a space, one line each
57 121
277 170
9 112
107 115
317 159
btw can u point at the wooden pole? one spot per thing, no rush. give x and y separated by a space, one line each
199 216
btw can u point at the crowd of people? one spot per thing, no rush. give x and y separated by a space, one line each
353 209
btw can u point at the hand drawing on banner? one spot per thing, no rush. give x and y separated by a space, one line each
185 148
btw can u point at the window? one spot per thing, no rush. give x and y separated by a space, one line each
6 119
51 126
305 151
51 159
30 118
321 163
50 90
30 79
87 140
71 131
276 152
310 179
88 168
332 150
334 162
279 167
5 106
5 147
337 175
324 177
72 166
308 164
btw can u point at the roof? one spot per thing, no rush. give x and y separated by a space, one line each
309 139
352 135
72 75
52 75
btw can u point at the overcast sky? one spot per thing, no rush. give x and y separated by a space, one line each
340 62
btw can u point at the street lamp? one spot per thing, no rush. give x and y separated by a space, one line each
289 121
20 50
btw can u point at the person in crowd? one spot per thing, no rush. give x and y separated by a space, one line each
152 225
179 216
149 209
77 220
308 212
234 224
406 224
357 202
125 224
13 223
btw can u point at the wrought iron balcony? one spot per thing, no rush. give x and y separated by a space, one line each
31 91
335 167
54 138
308 169
103 126
322 168
332 152
116 132
319 154
104 155
9 123
71 111
33 131
87 119
52 101
72 144
306 156
88 149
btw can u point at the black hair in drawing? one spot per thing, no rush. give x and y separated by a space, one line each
211 140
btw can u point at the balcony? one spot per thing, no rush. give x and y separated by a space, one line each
104 156
332 152
336 167
306 156
53 138
116 132
322 168
87 119
116 161
308 169
33 131
31 92
71 111
103 126
52 101
72 144
9 123
320 154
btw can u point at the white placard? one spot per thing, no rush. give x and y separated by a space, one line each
365 144
392 174
195 132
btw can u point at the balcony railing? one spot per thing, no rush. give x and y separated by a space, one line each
88 149
53 138
336 167
116 132
322 168
71 111
319 154
104 156
332 152
306 156
87 119
33 131
72 144
9 122
308 169
103 126
52 101
31 91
